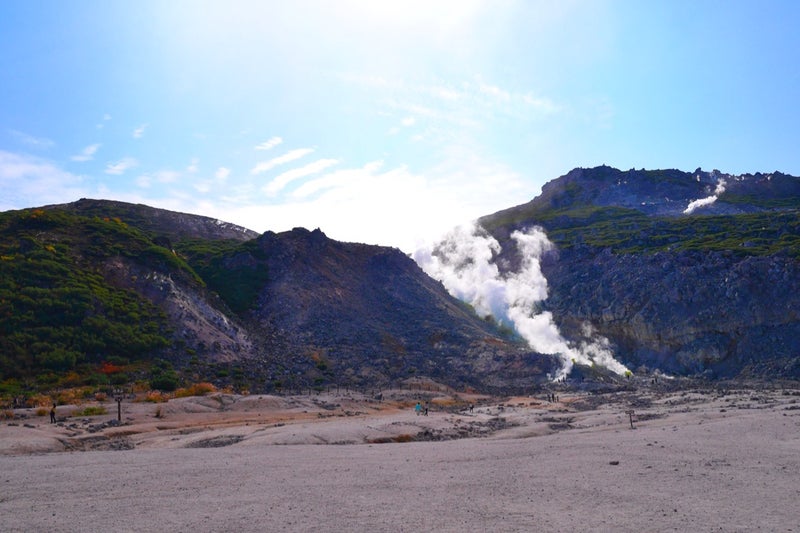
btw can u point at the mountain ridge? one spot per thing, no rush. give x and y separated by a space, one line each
709 292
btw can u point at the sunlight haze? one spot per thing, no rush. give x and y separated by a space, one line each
382 122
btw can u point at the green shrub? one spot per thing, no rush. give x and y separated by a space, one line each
91 411
165 381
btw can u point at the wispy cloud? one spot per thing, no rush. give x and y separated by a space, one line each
167 176
291 175
222 173
406 122
144 181
494 91
138 133
202 186
458 110
27 181
30 140
87 154
383 196
101 125
159 176
348 177
119 167
280 160
269 144
544 105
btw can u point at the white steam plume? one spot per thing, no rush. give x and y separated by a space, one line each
708 200
464 262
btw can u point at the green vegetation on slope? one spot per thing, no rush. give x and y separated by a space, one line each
765 233
630 231
233 269
57 312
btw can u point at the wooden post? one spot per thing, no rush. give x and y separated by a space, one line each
118 398
630 416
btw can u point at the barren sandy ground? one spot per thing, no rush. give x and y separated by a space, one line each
697 460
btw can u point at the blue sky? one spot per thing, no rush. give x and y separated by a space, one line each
382 122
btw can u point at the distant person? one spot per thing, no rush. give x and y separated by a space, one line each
471 407
53 414
418 408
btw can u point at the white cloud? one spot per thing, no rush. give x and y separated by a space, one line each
202 186
280 160
87 154
269 144
222 173
494 91
167 176
193 166
364 204
350 177
30 140
543 105
138 133
289 176
160 176
27 182
406 122
463 109
445 93
119 167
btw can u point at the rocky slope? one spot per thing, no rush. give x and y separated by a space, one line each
94 282
358 314
710 291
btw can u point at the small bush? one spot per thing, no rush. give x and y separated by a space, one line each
156 397
197 389
166 381
42 411
41 400
73 396
90 411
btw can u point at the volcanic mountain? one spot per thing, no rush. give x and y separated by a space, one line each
689 273
93 282
683 272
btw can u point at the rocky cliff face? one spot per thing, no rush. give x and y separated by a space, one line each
368 314
686 313
711 291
